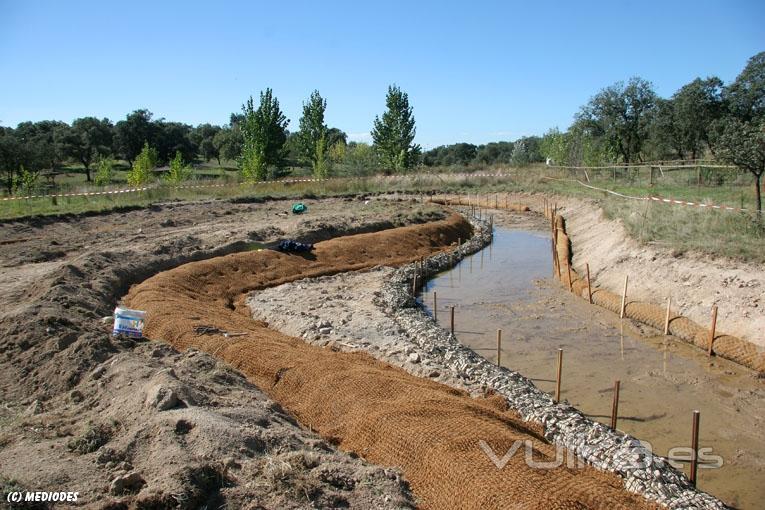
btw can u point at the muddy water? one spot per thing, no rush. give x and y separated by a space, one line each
508 286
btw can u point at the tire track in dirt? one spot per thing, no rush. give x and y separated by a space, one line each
382 413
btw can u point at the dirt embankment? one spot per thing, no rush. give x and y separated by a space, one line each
128 423
694 281
731 347
380 412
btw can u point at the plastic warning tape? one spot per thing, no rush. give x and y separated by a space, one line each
673 201
199 186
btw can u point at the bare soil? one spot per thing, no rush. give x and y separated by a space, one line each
367 407
132 424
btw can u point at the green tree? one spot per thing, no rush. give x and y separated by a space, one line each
171 137
104 171
26 182
337 152
745 97
742 143
393 135
87 140
321 163
203 137
12 156
143 166
696 106
494 152
360 159
312 136
554 145
132 133
179 171
665 138
264 132
622 113
43 143
228 142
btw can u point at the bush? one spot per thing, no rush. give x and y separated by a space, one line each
104 170
143 166
253 165
178 171
26 182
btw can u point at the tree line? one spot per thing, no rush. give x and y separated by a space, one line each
629 123
257 139
623 123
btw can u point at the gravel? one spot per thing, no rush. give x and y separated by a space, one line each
375 311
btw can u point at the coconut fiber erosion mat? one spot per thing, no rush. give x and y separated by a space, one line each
389 417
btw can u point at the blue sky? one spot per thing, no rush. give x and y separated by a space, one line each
474 71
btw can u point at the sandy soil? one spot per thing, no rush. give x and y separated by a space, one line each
145 423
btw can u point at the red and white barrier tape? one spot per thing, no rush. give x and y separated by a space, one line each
195 186
293 181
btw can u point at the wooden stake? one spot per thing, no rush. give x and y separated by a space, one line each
712 330
499 347
589 284
615 405
557 380
452 319
666 317
695 447
552 247
414 280
624 297
435 306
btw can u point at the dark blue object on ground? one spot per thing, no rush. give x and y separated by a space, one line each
288 245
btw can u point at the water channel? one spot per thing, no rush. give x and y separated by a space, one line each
509 286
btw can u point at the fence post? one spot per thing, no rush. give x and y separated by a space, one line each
452 320
666 318
695 447
499 347
435 306
615 404
589 285
557 379
624 297
712 329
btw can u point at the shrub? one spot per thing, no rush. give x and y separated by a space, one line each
179 172
143 166
104 170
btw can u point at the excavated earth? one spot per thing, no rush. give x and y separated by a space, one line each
150 425
140 425
382 413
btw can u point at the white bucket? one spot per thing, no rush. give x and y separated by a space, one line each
128 322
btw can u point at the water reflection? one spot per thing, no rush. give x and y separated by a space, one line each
510 289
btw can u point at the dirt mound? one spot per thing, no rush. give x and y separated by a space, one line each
380 412
64 380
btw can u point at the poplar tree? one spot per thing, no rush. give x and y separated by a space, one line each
312 137
264 131
393 135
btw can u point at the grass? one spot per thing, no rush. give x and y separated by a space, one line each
680 228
